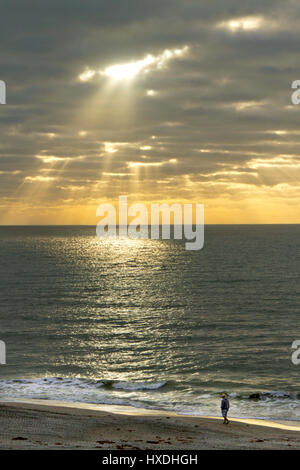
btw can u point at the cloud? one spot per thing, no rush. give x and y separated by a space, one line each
212 85
131 69
247 23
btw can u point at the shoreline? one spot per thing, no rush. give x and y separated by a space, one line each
36 424
279 423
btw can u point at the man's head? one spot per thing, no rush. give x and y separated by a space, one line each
223 395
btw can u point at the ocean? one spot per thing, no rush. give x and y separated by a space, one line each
149 324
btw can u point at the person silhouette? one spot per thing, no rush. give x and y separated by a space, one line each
224 408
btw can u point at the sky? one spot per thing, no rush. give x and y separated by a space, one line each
163 101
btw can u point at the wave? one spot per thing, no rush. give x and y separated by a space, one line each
181 397
138 385
83 390
60 381
266 395
79 382
130 386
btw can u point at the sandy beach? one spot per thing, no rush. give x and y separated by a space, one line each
56 425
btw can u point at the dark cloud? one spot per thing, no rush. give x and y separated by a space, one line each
214 109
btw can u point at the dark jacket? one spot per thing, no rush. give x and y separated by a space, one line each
225 404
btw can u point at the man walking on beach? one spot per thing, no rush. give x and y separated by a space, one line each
224 408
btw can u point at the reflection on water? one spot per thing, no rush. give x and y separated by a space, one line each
146 322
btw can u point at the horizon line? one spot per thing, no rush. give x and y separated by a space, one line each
144 225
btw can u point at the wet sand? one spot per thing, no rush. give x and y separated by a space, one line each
37 424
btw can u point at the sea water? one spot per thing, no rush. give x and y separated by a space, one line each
149 324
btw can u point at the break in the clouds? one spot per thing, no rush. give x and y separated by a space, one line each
132 69
163 101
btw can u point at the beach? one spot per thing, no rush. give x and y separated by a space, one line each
57 425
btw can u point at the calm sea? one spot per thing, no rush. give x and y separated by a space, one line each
149 324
